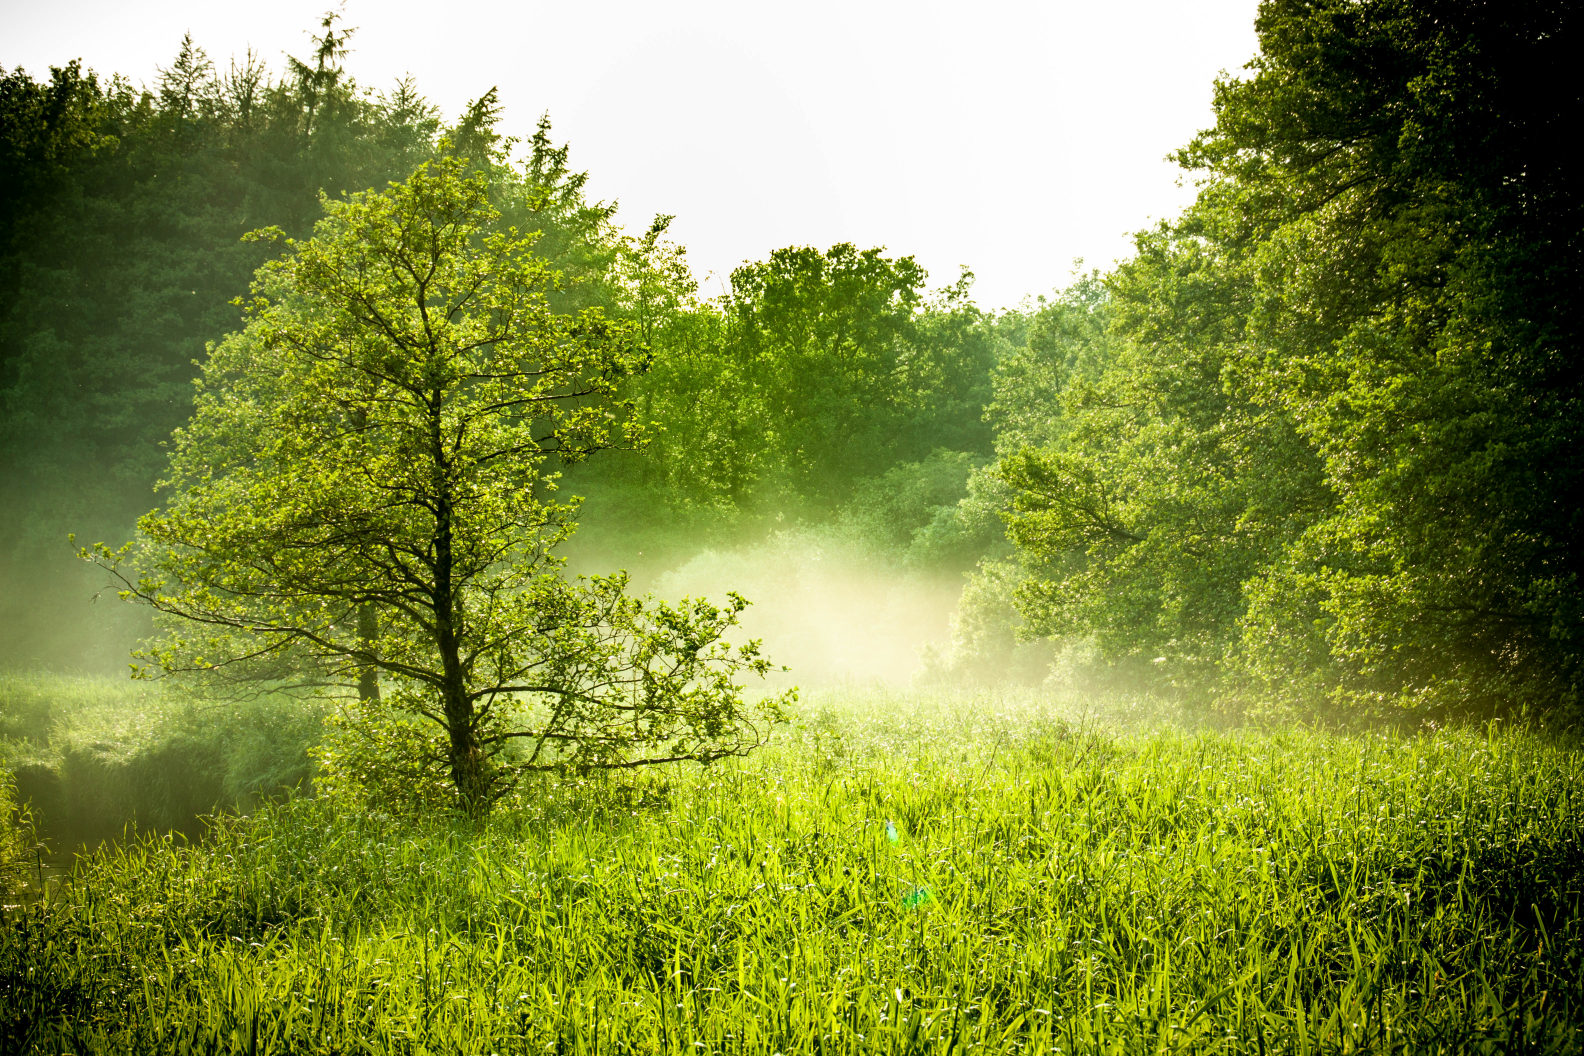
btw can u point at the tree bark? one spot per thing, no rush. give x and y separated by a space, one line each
368 631
470 769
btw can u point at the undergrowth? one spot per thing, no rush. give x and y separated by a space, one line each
91 754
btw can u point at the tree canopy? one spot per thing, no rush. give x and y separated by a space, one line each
1330 453
366 486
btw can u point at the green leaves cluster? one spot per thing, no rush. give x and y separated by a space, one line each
1326 453
366 494
815 374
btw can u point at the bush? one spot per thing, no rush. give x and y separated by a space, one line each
376 758
985 647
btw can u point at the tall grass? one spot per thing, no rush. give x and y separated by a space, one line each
17 846
890 877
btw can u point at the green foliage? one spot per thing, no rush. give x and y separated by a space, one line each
1152 490
817 373
1431 363
989 642
1323 461
377 757
364 494
823 340
17 839
576 236
912 509
120 213
1052 885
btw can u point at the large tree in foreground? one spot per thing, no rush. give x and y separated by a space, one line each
1401 186
364 497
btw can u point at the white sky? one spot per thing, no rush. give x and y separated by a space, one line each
1010 137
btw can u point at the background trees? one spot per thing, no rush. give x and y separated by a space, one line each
1352 368
120 251
1312 445
815 373
366 487
1416 319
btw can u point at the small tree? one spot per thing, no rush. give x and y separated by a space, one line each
364 497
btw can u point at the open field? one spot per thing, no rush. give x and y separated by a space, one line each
894 874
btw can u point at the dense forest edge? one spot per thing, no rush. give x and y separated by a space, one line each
1306 453
1189 657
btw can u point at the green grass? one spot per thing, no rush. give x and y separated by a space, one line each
1051 887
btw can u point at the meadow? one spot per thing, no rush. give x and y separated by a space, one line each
894 873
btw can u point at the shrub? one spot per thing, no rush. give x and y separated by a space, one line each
377 758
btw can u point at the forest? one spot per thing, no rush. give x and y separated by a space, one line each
535 652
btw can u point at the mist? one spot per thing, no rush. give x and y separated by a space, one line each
828 609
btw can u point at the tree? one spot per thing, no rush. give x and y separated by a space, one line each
1412 211
1331 454
817 372
1144 490
827 337
365 487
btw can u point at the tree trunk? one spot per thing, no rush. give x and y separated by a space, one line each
470 768
368 631
470 765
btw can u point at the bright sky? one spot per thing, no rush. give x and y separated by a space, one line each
1010 137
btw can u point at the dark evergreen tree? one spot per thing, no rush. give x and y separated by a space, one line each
121 212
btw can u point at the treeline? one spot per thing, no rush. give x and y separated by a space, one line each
122 211
1319 442
1310 449
789 399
